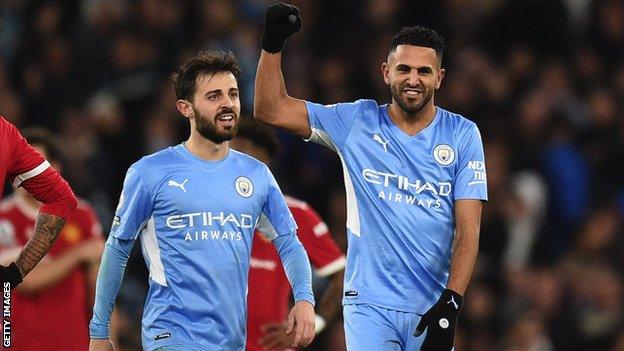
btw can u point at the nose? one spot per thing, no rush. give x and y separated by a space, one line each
413 79
227 102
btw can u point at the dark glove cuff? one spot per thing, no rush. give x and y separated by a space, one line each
272 44
13 275
450 296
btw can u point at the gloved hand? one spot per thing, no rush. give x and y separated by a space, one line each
10 274
440 322
280 22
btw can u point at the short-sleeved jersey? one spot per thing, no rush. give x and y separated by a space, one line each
58 315
269 290
196 221
401 192
18 160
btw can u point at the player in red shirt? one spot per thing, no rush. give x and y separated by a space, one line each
51 308
23 166
269 291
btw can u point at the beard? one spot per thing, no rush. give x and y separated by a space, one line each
208 129
410 107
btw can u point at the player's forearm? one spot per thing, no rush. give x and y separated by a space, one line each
109 280
296 265
270 89
465 244
49 273
331 303
47 228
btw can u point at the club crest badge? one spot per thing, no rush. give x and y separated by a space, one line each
444 154
244 187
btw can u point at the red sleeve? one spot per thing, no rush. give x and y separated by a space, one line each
31 171
324 253
24 161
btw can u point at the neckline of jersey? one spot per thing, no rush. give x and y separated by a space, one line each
184 152
400 131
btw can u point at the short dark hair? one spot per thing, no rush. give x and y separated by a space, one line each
419 36
260 135
43 137
204 63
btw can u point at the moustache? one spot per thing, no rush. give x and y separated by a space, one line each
226 111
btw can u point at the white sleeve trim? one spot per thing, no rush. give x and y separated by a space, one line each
332 268
30 174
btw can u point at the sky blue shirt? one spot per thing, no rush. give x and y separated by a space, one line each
196 221
401 192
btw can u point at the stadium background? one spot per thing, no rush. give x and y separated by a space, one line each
544 80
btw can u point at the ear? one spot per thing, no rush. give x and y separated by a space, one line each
385 71
185 108
440 77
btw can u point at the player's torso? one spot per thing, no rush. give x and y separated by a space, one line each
197 245
401 209
407 180
208 212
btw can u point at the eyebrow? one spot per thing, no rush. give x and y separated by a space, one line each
219 90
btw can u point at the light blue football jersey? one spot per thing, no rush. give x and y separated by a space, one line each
196 220
401 191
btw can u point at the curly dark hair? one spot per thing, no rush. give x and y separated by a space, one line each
204 63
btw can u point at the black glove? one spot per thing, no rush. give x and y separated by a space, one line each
440 322
10 274
280 21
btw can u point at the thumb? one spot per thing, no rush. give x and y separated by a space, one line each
290 324
421 326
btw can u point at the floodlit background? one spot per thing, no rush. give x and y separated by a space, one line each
543 79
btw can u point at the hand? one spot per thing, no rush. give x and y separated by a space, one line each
11 274
101 345
440 322
280 22
275 337
90 251
301 323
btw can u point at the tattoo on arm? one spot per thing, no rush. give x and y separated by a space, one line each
47 228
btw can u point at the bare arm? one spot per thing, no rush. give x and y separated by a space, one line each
465 245
331 303
47 228
272 104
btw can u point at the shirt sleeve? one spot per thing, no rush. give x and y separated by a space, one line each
134 208
30 170
275 219
331 124
25 161
324 253
471 177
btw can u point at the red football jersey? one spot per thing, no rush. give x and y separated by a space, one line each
18 160
58 317
23 166
269 290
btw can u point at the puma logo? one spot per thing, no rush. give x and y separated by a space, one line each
452 300
176 184
384 144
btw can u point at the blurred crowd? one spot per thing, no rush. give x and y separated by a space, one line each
543 79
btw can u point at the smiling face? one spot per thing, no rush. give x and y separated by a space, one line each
413 74
215 109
